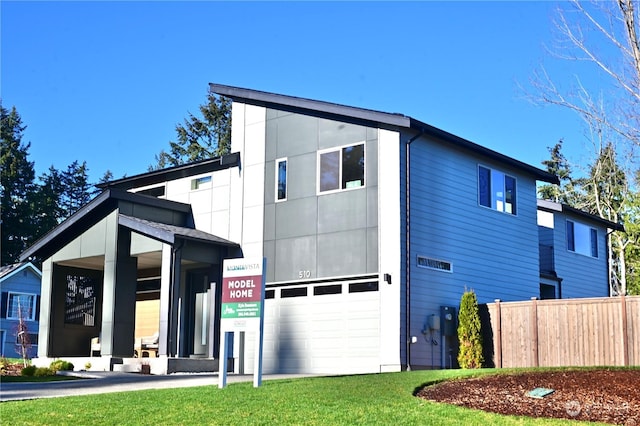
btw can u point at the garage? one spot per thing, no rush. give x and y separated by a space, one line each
324 327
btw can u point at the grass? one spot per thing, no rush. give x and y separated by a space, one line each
379 399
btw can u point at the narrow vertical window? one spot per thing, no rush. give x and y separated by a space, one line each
484 186
571 244
510 194
594 243
281 179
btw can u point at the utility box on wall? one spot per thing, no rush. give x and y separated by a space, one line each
449 320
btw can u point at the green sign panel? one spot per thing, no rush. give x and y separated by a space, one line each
241 310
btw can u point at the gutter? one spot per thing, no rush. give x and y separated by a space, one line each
407 196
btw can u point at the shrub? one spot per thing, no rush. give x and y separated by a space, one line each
44 371
469 337
28 371
61 365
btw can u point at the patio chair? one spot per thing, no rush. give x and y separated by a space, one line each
95 346
146 345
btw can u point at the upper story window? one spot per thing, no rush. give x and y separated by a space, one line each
281 179
21 305
201 182
582 239
496 190
341 168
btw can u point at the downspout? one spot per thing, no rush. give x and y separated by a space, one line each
407 313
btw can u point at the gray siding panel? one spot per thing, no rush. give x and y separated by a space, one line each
341 227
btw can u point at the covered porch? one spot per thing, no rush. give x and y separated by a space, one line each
130 283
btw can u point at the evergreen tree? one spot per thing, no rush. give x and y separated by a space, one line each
200 138
47 209
16 187
76 189
469 336
558 165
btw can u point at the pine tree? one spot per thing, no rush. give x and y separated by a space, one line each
469 336
200 138
17 186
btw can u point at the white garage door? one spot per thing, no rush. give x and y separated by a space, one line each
325 328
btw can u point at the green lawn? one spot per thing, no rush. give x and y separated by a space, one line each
379 399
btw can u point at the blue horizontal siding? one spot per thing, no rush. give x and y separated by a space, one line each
493 253
582 276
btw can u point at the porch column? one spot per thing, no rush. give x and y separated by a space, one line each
119 301
44 331
165 287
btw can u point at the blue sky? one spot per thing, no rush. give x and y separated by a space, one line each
106 82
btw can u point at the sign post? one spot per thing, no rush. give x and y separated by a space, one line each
242 309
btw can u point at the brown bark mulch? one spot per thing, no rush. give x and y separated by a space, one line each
603 395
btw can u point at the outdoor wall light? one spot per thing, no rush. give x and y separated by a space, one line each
387 278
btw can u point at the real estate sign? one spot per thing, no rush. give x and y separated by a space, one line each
242 308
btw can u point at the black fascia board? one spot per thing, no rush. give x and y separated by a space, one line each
368 117
312 107
552 206
539 174
176 172
90 213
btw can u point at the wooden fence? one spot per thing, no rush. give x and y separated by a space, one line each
562 332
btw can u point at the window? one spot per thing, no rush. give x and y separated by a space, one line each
201 183
341 168
21 305
281 179
496 190
582 239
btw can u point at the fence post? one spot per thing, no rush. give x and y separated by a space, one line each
497 336
625 331
534 331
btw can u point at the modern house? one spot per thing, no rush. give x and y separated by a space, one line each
574 261
20 302
372 225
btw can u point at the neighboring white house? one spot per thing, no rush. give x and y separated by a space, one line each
372 224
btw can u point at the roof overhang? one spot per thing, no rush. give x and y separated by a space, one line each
371 118
177 172
552 206
169 233
8 271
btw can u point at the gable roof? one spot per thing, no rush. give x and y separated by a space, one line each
89 214
368 117
8 271
563 208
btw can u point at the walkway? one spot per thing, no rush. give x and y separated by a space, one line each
106 382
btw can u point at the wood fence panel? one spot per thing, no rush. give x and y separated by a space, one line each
633 330
566 332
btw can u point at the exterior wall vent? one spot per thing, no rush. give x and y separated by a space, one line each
438 265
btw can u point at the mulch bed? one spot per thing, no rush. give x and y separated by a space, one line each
609 396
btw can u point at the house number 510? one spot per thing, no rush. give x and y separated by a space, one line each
304 274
